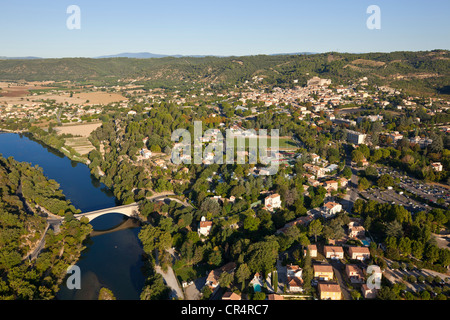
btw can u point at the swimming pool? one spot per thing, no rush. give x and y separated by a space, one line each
257 287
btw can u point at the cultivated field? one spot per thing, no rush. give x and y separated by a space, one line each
29 93
80 143
83 130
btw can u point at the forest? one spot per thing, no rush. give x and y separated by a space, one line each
424 72
23 190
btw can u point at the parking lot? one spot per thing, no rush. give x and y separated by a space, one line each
429 192
398 275
393 197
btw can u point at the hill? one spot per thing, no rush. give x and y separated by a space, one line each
421 72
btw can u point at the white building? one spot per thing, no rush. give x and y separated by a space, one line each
146 153
331 208
272 202
205 227
437 166
355 137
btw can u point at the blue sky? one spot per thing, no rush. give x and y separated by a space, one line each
244 27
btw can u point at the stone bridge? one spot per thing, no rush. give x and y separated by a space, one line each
128 210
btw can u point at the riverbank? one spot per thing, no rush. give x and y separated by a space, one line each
51 143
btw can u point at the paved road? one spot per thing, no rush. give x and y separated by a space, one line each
170 280
352 194
339 271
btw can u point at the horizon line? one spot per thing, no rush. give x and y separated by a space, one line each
161 55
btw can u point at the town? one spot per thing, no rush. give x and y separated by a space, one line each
362 183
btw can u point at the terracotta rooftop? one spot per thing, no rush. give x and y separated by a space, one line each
333 249
359 250
322 268
329 287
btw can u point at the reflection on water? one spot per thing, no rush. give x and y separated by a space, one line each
115 258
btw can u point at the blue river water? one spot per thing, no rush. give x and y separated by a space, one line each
113 259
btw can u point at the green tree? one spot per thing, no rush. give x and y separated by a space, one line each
259 296
251 223
363 184
242 274
431 253
385 181
315 229
215 258
262 255
225 279
347 172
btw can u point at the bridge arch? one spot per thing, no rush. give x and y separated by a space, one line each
129 210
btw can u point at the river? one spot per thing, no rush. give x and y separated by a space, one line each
111 259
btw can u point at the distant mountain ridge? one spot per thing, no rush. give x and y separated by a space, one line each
19 58
149 55
421 71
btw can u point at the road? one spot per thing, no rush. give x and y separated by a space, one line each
170 279
339 269
167 195
352 195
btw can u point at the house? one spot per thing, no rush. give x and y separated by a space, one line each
329 291
212 280
359 253
331 208
312 250
295 284
315 158
355 230
294 271
343 182
294 277
146 153
231 296
332 167
395 137
364 162
205 227
333 252
272 202
319 172
303 220
437 166
331 185
354 273
367 292
160 163
323 272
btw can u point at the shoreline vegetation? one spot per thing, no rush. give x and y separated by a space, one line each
24 186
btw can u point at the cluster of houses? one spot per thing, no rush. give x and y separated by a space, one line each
324 276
